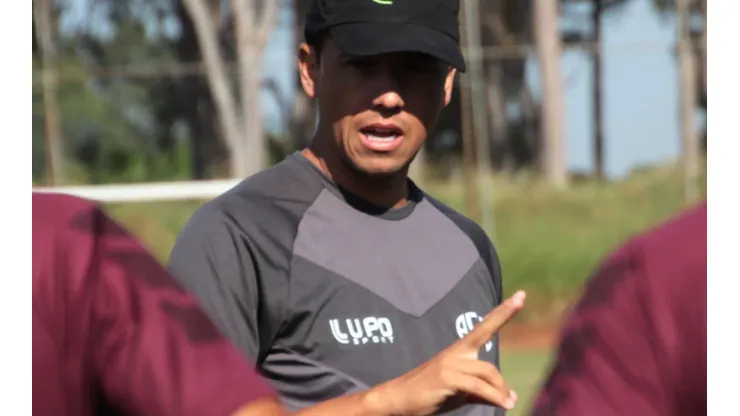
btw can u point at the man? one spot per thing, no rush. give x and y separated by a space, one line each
636 344
113 333
334 271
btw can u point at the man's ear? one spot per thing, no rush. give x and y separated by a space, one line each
449 85
308 68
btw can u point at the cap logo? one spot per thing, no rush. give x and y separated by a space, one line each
384 2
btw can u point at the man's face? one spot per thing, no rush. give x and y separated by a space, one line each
380 108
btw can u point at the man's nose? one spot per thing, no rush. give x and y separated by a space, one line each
388 90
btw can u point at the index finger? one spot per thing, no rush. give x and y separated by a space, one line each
487 328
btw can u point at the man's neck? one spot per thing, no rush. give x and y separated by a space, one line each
388 192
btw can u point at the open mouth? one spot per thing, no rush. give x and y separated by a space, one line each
381 137
381 134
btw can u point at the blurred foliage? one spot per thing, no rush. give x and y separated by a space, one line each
548 241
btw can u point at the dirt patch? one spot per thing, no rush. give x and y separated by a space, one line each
529 336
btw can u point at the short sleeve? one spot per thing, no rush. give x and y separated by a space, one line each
495 265
154 350
214 259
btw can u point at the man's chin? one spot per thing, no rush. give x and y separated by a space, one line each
379 168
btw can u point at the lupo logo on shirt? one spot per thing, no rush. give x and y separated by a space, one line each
376 330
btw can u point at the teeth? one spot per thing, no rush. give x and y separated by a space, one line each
381 138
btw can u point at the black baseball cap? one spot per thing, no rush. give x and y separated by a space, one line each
372 27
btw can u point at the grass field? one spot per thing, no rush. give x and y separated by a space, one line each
523 371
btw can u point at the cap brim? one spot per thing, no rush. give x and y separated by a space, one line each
367 39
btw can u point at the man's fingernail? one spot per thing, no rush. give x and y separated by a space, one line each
518 297
513 396
509 404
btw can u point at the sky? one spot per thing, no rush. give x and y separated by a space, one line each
640 91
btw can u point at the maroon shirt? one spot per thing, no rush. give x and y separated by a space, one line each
114 333
636 344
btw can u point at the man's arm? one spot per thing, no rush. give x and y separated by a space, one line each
154 350
609 361
216 260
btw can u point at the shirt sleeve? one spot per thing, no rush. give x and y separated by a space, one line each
496 274
610 361
213 259
154 350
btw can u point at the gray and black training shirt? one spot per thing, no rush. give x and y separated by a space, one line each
329 294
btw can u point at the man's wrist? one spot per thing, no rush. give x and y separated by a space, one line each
378 402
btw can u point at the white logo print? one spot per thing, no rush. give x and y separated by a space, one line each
464 324
361 331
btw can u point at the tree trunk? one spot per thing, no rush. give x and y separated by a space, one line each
52 121
242 127
208 150
597 58
549 50
687 88
703 52
252 25
254 137
469 149
532 141
218 81
703 68
498 122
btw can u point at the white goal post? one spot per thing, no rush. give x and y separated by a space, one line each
147 192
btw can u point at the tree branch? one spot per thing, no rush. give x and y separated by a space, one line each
215 69
267 20
250 29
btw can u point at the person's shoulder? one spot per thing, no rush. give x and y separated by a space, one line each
63 220
678 242
279 193
667 261
684 232
288 182
56 210
464 223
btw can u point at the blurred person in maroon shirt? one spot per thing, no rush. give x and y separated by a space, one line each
636 343
113 333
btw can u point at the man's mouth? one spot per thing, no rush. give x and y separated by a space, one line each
381 134
381 137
